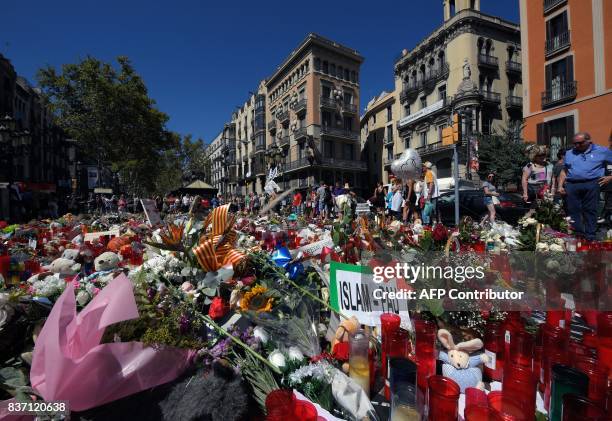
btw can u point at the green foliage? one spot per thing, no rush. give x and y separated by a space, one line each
108 110
503 154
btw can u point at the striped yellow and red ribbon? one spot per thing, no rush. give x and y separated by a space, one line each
216 248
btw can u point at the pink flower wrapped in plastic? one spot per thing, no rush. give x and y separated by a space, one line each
70 363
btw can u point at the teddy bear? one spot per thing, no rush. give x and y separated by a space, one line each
70 254
65 267
459 365
340 343
106 261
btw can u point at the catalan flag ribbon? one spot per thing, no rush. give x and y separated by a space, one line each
216 248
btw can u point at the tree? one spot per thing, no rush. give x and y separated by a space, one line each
109 112
503 154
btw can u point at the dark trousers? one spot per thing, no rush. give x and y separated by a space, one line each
582 199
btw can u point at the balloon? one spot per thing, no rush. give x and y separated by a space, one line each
408 165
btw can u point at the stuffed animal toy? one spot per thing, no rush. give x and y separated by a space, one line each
459 365
106 261
340 343
63 266
71 254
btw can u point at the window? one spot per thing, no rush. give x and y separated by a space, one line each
340 72
347 152
423 102
442 92
326 91
423 138
389 133
326 119
301 149
407 142
556 30
406 110
373 118
390 153
559 76
348 124
348 97
332 69
556 134
389 113
328 149
325 67
301 94
472 4
440 129
353 76
452 7
347 74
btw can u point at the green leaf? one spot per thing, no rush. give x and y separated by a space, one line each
12 378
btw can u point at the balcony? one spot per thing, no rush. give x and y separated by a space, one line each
550 5
345 164
432 148
513 67
434 75
563 92
300 134
387 161
272 125
488 61
388 141
409 92
283 141
299 106
558 44
283 117
349 108
230 160
338 132
514 101
260 147
491 97
328 103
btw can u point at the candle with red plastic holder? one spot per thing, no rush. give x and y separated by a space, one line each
389 322
494 349
521 349
598 378
604 324
519 385
475 397
478 413
577 407
442 399
425 351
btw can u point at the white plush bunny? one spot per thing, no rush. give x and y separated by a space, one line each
458 364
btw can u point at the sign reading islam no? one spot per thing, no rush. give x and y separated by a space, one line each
421 113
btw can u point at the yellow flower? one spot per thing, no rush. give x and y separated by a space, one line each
255 300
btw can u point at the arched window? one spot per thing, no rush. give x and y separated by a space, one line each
441 60
422 73
488 47
480 44
340 72
332 69
413 80
353 76
317 64
325 67
347 74
432 67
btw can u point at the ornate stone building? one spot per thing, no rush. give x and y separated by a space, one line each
469 66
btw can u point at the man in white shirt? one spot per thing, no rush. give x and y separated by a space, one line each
396 202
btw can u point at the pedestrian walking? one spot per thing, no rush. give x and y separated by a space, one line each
584 170
433 192
297 203
321 191
491 198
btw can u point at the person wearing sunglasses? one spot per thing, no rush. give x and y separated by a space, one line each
584 169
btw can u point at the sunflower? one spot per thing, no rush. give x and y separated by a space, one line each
257 300
172 235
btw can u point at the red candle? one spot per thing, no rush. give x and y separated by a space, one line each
521 349
519 385
425 351
494 348
478 413
598 378
279 403
604 324
443 399
580 408
390 323
475 397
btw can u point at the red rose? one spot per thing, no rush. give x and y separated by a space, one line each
440 233
341 351
218 308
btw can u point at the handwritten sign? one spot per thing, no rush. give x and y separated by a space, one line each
90 236
353 292
150 209
314 249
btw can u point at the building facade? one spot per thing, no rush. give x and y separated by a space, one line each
378 134
218 170
470 66
303 120
567 70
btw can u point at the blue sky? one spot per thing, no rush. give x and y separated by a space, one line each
200 59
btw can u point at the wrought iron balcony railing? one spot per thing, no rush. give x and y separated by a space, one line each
559 94
558 43
488 60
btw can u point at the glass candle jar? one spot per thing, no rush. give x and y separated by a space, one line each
403 390
565 380
494 349
442 399
577 407
519 385
389 323
475 397
598 378
425 351
359 364
521 349
478 413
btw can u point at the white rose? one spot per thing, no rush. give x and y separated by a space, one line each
82 298
277 359
556 248
541 247
261 334
295 354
